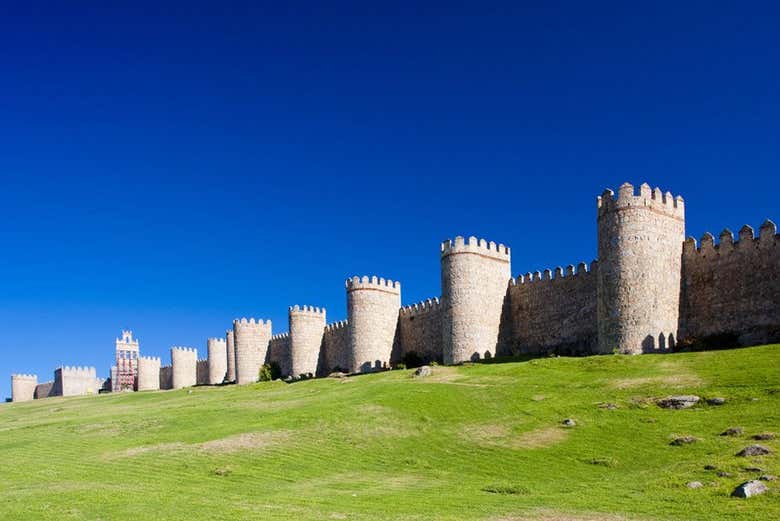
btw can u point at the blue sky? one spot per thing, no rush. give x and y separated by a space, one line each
170 168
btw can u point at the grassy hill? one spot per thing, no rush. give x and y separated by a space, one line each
481 442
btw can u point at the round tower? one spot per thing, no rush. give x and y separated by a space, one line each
231 356
148 373
307 325
251 338
185 366
217 353
23 387
372 317
474 281
640 239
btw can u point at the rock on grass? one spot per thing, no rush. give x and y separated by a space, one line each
764 436
749 489
754 450
684 440
732 431
694 484
678 402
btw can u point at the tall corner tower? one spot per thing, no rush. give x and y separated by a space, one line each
23 387
474 280
251 338
307 325
372 317
640 239
184 361
231 355
127 352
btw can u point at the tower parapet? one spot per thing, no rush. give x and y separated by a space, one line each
217 353
184 361
307 325
23 387
148 373
474 280
640 240
372 316
251 338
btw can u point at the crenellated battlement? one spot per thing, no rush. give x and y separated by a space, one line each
653 199
217 340
77 370
280 336
184 349
336 326
475 246
420 308
306 310
373 283
252 323
23 376
582 270
746 241
152 359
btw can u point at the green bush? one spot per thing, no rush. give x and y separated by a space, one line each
400 365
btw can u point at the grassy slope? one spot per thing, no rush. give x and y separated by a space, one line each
386 446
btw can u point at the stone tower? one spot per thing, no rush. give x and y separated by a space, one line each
217 353
474 280
640 240
126 363
231 355
185 363
307 325
23 387
372 317
251 339
148 373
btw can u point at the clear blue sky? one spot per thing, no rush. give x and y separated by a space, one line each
167 169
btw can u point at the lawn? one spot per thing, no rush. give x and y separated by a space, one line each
477 442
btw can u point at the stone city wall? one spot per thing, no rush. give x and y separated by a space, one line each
202 372
166 377
75 381
554 312
334 352
279 352
731 290
419 337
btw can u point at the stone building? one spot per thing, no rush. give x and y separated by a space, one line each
125 372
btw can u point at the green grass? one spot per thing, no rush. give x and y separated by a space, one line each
481 442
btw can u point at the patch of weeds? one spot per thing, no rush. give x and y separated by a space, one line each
602 462
222 472
506 490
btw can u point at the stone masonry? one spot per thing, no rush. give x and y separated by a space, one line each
23 387
184 361
650 290
217 360
307 325
251 339
148 373
474 281
372 306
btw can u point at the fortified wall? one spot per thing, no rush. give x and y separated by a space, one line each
650 290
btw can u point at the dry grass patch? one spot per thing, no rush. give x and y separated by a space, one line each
545 515
673 381
497 434
237 442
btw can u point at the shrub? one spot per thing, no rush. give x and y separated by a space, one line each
400 365
265 373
